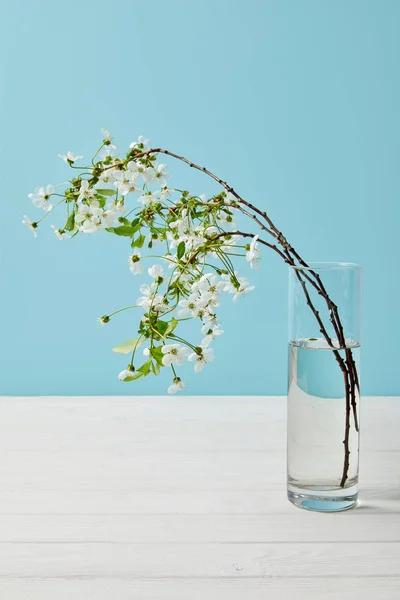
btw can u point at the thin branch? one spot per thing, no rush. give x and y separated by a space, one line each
290 256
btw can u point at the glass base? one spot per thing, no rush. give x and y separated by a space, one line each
333 500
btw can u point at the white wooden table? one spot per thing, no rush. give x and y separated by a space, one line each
184 499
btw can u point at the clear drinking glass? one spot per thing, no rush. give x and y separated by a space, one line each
323 385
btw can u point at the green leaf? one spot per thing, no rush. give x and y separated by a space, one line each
145 368
128 346
155 367
70 224
181 250
135 222
171 326
137 375
157 354
162 326
102 201
138 243
124 221
106 192
123 230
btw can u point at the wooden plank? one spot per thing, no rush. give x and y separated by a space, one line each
73 560
185 502
168 425
196 424
370 588
295 527
129 471
184 498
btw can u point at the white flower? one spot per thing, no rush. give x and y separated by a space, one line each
209 300
156 271
240 289
69 158
174 354
209 284
253 255
195 239
106 151
155 238
107 176
146 198
243 290
226 220
147 174
176 386
88 218
31 224
188 305
82 213
142 141
200 360
181 225
210 334
135 266
165 193
60 233
194 305
127 374
41 197
151 300
108 218
159 304
161 175
89 226
210 320
108 139
127 181
145 300
103 320
118 207
85 192
192 240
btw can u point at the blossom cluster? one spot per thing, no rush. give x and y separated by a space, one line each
129 196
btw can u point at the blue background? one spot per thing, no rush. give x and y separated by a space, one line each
296 104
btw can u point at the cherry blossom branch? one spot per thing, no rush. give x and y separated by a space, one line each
349 368
199 297
249 235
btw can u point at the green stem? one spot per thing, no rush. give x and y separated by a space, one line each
121 309
134 350
179 339
49 211
102 145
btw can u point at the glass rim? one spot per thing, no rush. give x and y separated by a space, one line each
326 266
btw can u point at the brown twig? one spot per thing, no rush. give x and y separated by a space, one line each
290 256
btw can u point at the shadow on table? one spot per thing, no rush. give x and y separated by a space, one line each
382 500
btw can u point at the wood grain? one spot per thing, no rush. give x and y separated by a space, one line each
184 498
327 588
